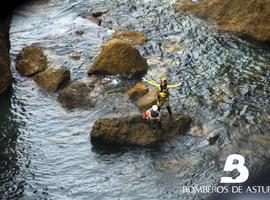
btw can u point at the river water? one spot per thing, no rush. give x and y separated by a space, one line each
46 152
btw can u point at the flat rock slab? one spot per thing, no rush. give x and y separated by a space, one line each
134 129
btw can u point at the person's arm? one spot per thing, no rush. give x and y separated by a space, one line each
152 83
174 86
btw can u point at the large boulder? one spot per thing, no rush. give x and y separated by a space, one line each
246 19
5 72
119 57
137 91
77 96
30 61
52 79
146 101
135 130
134 37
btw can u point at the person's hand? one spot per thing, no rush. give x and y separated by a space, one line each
144 80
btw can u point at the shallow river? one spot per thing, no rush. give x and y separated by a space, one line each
48 153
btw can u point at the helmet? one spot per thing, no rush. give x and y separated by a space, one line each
155 108
164 79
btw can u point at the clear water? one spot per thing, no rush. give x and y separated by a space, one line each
48 153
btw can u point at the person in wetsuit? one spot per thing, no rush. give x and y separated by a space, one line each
163 93
153 117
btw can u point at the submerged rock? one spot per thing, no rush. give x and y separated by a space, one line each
211 132
96 17
261 139
134 37
52 79
5 72
137 91
77 96
246 19
30 61
146 101
135 130
119 57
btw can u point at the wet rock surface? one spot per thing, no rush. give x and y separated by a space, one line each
52 79
246 19
31 60
146 101
137 91
119 57
5 72
135 130
77 96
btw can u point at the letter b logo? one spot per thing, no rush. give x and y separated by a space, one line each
240 167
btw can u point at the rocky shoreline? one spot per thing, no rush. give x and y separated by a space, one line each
5 20
5 71
246 19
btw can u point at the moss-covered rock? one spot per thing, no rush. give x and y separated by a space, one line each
119 57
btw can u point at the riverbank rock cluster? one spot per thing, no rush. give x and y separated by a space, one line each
134 129
32 62
246 19
5 72
119 57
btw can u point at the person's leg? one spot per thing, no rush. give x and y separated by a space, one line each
167 104
153 124
149 123
169 110
159 105
159 124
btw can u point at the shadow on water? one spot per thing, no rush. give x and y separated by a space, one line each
102 148
7 137
10 187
